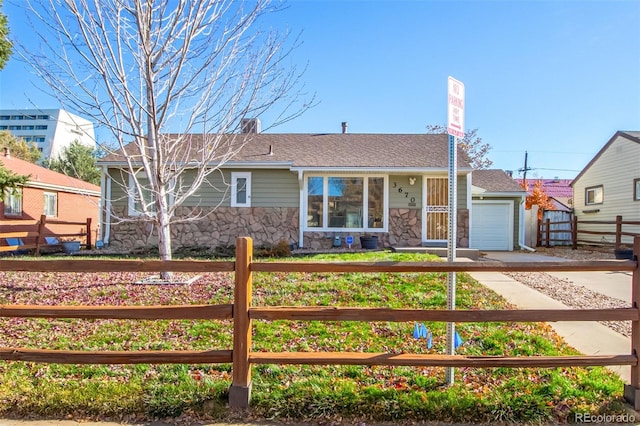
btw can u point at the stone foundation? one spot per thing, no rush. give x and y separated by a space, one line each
221 227
268 226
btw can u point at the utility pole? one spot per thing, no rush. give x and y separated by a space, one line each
526 168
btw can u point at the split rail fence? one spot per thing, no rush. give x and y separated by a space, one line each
35 239
242 312
553 232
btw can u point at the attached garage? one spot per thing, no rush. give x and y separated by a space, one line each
492 225
496 211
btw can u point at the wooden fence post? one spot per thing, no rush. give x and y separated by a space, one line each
240 391
539 234
89 233
548 226
574 233
40 237
618 232
632 390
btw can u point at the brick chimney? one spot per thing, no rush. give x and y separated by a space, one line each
251 125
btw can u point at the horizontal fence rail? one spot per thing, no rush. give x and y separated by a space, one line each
36 239
242 313
579 234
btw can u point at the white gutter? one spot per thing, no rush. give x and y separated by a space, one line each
300 209
101 210
390 170
106 217
226 165
61 188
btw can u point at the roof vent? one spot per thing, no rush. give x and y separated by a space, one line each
250 125
344 127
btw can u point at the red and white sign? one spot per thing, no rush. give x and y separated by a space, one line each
455 101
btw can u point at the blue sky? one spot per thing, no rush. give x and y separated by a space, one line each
554 78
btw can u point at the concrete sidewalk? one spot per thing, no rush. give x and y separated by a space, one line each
590 338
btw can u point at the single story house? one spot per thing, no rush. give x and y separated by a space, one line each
609 186
308 189
58 196
497 211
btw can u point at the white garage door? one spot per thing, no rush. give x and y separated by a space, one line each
492 226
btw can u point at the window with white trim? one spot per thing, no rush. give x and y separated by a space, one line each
13 202
136 200
50 204
240 189
636 189
594 195
354 203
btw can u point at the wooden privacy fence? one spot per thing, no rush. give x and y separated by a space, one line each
551 231
243 313
35 240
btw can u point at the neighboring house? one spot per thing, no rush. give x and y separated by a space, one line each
50 130
306 189
53 194
558 190
497 215
609 186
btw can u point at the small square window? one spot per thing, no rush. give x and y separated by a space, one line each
240 189
594 195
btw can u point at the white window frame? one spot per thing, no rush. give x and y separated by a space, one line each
235 176
594 189
13 202
365 202
636 189
131 200
45 210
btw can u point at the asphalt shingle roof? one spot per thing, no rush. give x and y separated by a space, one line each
494 180
340 150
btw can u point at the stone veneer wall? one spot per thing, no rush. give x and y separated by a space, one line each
267 226
405 230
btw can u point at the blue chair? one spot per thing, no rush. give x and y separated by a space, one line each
16 242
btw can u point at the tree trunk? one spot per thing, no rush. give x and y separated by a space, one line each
164 232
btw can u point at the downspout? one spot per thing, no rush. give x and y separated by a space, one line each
470 204
521 231
300 209
105 216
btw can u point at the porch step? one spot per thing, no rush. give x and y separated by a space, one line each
472 254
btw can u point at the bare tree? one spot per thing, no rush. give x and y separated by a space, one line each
476 151
154 72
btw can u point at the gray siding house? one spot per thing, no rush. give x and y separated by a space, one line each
609 186
306 189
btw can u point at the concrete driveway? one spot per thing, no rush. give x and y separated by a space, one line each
612 284
588 337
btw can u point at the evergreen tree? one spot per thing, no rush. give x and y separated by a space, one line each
78 161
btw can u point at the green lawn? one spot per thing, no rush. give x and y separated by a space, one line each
284 391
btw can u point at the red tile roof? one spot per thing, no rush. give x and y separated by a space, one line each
43 176
556 188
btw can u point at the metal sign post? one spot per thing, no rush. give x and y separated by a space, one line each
455 128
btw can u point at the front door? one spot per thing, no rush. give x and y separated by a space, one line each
437 209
